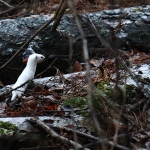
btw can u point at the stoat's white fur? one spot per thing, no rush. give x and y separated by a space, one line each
27 74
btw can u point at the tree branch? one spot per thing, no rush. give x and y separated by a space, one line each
31 38
53 134
4 3
11 9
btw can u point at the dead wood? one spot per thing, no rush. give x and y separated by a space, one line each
102 20
11 9
6 4
87 136
53 134
60 12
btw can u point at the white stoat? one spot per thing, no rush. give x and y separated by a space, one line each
27 74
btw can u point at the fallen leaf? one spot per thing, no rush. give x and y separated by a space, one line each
140 57
51 107
32 104
57 96
96 63
47 92
38 89
77 67
1 84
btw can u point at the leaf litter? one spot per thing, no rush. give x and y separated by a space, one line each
59 96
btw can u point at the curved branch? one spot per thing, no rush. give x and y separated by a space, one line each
4 3
32 37
53 134
11 9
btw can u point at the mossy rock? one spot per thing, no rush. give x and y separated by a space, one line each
7 127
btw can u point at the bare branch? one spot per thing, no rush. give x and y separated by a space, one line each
59 13
28 80
6 4
30 39
53 134
11 9
90 137
86 57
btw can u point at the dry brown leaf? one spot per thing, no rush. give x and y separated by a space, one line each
37 89
56 96
32 104
51 107
140 58
77 67
96 63
1 84
47 92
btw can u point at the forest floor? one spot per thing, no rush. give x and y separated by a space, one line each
120 111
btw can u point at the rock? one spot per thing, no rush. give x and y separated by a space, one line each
127 27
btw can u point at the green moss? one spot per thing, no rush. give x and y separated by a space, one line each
105 87
103 31
129 91
138 9
97 100
103 90
76 102
6 127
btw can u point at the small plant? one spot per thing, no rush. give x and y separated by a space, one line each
105 87
7 127
97 99
130 93
108 90
76 102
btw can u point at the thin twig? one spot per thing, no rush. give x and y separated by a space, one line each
86 57
6 4
94 30
31 38
55 111
135 105
60 13
11 9
28 80
89 137
46 68
53 134
92 27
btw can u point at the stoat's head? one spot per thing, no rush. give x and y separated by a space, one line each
36 57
